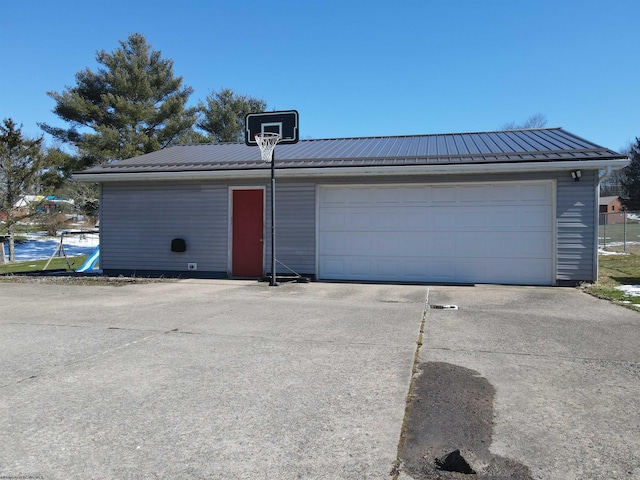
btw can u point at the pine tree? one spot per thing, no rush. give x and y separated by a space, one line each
20 167
224 115
133 104
631 178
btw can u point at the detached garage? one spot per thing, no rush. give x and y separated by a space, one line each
513 207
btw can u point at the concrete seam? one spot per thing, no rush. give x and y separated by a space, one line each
79 360
395 470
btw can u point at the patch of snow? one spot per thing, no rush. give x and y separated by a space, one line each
632 290
630 304
607 252
39 247
621 244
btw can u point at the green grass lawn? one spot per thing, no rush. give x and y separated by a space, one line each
616 270
17 268
38 265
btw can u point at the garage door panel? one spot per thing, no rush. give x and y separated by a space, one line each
334 196
470 270
503 219
388 219
440 244
388 268
332 267
360 219
515 245
471 244
414 269
491 233
417 195
387 243
332 219
442 218
473 194
360 267
519 271
504 194
333 243
412 244
534 218
389 197
361 196
414 219
441 270
361 242
443 194
474 218
536 193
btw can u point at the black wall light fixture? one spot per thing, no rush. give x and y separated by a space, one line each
576 174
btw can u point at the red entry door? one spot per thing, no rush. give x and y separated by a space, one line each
247 231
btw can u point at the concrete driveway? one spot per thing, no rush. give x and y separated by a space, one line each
204 379
561 371
221 379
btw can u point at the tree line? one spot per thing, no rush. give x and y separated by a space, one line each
132 104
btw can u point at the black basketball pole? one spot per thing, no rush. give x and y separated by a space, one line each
273 219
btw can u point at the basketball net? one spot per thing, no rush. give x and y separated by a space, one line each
267 142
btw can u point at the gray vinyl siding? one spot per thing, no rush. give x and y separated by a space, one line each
295 227
575 227
139 220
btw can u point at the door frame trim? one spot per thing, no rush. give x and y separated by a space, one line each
230 225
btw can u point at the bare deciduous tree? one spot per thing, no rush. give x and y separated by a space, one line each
539 120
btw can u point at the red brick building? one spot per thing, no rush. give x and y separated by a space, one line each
611 210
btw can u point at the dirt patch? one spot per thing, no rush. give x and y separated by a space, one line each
451 409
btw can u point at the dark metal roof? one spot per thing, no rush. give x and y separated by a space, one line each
513 146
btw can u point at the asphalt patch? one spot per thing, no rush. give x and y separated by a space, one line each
451 410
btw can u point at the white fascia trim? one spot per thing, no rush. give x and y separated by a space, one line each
448 169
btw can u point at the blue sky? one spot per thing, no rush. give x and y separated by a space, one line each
353 68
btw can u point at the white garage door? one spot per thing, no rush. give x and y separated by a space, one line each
477 233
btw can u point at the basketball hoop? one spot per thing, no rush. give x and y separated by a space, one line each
281 127
267 142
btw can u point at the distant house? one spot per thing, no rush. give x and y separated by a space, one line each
611 210
509 207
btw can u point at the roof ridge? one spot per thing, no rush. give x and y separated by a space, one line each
202 144
416 135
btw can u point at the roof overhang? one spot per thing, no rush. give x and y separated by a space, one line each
319 172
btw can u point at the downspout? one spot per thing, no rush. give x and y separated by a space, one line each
605 176
601 178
